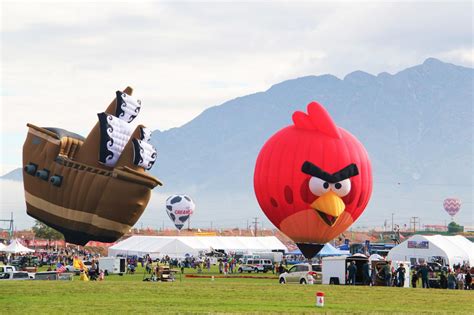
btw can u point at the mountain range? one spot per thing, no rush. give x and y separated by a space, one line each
417 126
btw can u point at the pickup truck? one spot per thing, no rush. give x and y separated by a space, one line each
15 275
7 268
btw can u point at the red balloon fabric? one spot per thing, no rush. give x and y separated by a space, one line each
313 179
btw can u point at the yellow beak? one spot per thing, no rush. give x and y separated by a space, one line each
329 204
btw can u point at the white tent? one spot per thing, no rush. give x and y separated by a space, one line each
16 248
452 249
179 246
2 246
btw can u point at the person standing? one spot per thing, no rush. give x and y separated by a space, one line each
221 266
352 273
366 273
468 280
414 279
424 276
401 271
281 269
443 280
451 280
386 274
460 280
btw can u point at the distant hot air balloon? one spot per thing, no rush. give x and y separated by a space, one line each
452 206
313 179
179 208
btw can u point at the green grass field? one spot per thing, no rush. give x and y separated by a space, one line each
129 294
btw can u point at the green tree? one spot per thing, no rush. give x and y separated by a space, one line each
41 230
453 227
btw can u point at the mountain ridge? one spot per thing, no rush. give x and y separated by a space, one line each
415 125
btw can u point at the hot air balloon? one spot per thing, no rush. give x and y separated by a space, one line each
93 188
179 208
312 179
452 206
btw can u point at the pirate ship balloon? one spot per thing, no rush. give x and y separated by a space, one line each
93 188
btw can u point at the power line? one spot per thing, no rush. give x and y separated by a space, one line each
414 222
255 222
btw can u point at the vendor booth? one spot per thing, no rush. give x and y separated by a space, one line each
447 250
184 246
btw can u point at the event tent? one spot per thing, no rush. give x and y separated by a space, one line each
451 249
180 246
2 246
16 247
327 250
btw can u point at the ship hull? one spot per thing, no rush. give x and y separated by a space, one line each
90 203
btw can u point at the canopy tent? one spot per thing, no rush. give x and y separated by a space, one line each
327 250
179 246
451 249
2 247
375 257
16 247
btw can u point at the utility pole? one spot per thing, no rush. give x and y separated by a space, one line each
414 222
392 222
11 227
255 222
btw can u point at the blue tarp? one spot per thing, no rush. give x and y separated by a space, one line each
328 250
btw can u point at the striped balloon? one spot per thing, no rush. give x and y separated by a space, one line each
452 206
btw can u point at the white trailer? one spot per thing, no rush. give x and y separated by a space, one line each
334 269
111 265
275 257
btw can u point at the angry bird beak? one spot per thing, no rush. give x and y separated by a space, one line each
329 207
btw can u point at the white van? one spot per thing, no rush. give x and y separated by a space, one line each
7 268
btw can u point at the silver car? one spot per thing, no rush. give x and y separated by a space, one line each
303 274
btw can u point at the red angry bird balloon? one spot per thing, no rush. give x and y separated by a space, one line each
313 179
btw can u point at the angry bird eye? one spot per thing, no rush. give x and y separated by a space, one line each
342 188
318 186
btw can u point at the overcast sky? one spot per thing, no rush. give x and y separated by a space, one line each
61 63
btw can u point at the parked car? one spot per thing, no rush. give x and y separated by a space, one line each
263 265
249 266
71 268
256 265
433 266
303 274
15 275
52 275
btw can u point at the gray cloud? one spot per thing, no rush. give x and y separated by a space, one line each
183 57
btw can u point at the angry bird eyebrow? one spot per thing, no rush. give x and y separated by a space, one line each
348 171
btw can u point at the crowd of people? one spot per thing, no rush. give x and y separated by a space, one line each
457 277
48 257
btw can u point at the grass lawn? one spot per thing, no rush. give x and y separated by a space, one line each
129 294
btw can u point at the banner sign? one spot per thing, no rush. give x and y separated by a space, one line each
420 244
